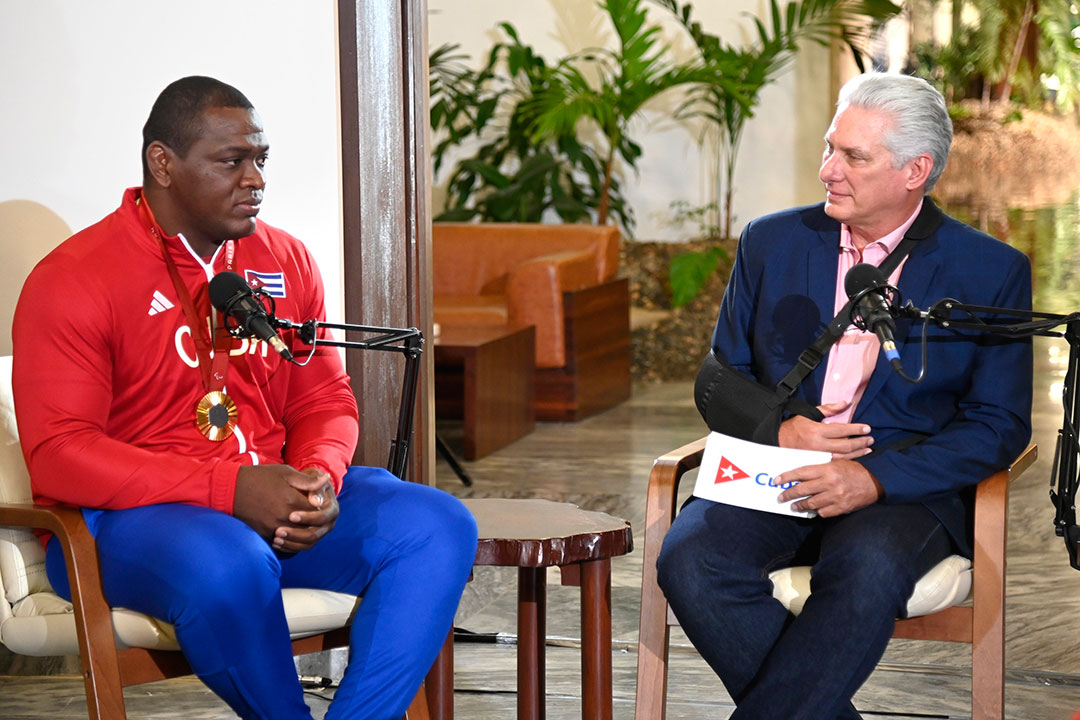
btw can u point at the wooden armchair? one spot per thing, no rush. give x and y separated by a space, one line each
117 647
934 611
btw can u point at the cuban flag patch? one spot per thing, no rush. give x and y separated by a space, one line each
272 283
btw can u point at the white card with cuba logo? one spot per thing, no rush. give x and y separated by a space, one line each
738 472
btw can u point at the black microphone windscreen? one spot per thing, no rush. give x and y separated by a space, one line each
224 287
861 277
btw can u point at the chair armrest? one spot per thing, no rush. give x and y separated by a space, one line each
1024 461
663 490
669 468
534 296
65 522
664 479
992 494
93 617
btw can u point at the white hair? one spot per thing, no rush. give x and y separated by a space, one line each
920 121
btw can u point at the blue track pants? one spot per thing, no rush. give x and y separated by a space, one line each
406 548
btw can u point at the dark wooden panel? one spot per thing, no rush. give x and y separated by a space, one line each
485 376
449 387
597 371
385 189
418 180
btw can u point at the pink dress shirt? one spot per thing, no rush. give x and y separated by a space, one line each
853 357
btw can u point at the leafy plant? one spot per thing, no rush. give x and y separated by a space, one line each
959 112
1014 52
952 68
1059 52
536 152
701 215
460 102
629 76
689 272
510 177
754 67
1014 115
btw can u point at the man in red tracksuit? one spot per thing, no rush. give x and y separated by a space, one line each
213 472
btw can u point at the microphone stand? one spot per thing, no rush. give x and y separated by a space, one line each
407 341
1065 475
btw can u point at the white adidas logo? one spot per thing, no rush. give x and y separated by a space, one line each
160 303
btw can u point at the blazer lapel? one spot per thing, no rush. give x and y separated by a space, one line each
822 257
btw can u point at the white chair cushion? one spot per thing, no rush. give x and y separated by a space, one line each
22 557
43 624
946 584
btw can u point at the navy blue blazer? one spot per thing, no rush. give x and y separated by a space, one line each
934 441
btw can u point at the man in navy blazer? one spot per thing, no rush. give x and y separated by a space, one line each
897 496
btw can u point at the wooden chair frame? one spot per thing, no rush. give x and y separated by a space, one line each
107 670
982 624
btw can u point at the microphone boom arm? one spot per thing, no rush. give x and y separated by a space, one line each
407 341
1037 323
1011 322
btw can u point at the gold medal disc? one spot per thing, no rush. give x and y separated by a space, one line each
215 415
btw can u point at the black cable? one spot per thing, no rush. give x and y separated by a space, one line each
899 368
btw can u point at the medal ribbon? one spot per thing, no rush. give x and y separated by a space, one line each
213 371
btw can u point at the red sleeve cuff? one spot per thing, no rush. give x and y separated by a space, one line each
223 486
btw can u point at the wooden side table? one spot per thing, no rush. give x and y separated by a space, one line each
485 375
534 535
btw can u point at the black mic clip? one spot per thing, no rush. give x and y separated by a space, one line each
306 332
890 295
909 310
941 311
234 327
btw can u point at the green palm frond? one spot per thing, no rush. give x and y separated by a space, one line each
567 99
735 78
1060 52
739 74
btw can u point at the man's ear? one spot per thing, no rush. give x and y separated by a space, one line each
159 159
919 170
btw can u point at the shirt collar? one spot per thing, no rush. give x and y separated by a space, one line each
887 243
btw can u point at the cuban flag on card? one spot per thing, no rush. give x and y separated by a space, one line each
272 283
737 472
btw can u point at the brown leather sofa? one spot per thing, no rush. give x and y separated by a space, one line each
559 278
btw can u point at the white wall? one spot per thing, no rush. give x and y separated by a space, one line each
781 146
77 80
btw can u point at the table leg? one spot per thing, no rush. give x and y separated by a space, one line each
440 682
532 610
596 688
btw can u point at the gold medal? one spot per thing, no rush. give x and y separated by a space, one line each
215 415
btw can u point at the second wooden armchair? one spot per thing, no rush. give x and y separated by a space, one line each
935 612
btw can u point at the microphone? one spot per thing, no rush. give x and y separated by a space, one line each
232 295
869 285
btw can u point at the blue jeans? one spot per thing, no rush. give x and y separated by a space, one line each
406 548
714 569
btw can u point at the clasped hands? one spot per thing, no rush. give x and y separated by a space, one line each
839 486
291 509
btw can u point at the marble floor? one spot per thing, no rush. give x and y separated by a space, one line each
603 464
